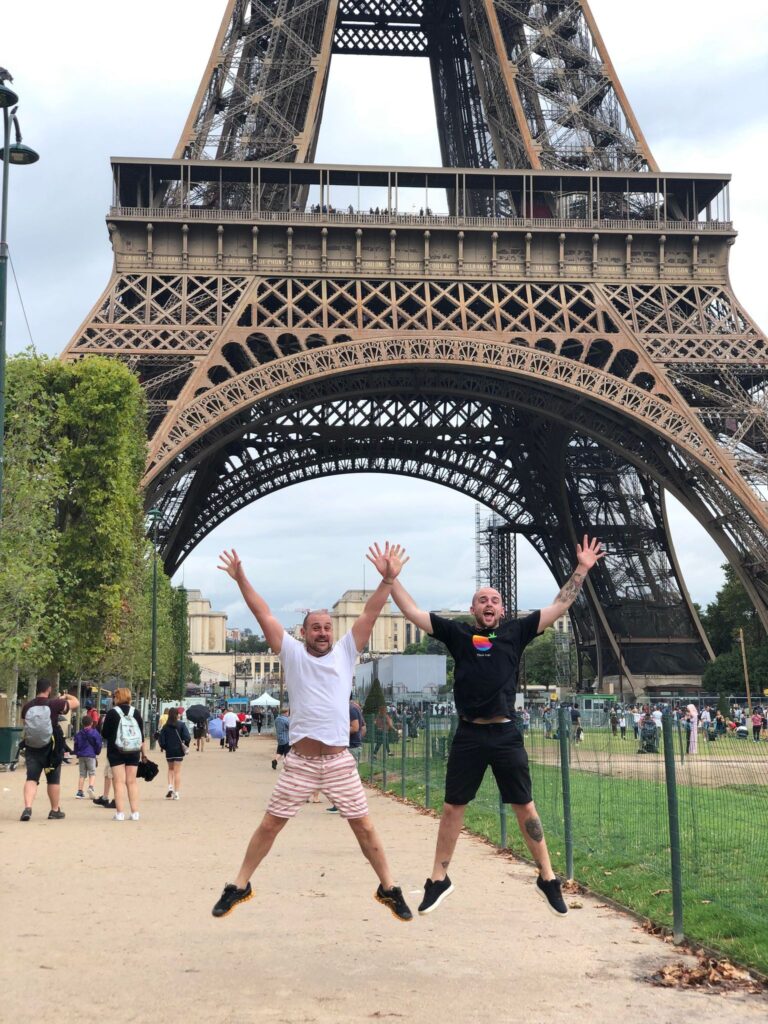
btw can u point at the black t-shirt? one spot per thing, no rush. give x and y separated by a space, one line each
487 662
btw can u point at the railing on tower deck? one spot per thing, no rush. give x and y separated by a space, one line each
436 220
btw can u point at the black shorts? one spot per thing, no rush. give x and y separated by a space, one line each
129 759
36 759
283 748
477 747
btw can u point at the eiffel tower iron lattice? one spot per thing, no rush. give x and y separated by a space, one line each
562 343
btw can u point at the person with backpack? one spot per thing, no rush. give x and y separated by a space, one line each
174 740
123 732
44 746
87 748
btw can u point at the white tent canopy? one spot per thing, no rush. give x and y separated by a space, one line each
264 701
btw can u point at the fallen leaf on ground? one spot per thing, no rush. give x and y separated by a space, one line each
661 892
576 905
718 975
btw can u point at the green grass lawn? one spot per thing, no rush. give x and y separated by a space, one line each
621 837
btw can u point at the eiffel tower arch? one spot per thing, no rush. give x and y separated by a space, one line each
560 342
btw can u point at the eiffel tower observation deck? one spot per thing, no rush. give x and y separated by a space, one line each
545 322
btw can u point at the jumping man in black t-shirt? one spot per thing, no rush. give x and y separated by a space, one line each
487 656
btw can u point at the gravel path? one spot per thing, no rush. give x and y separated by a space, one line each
112 920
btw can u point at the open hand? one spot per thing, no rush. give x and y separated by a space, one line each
589 552
388 562
231 564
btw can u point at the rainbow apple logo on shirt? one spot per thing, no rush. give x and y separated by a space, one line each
481 643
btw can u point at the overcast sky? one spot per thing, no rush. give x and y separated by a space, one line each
99 79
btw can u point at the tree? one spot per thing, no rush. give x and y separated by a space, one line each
540 666
33 620
102 429
730 611
375 699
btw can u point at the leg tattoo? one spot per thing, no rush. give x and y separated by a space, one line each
534 829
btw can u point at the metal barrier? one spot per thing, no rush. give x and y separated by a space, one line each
673 827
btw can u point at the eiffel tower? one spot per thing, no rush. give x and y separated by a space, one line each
558 338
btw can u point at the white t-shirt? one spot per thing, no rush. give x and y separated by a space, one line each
657 717
319 689
230 720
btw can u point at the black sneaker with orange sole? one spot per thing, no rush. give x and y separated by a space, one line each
230 898
393 898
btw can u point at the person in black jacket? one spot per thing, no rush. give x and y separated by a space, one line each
174 740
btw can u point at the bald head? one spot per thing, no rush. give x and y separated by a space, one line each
317 631
487 607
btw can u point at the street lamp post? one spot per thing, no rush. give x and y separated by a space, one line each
19 154
154 517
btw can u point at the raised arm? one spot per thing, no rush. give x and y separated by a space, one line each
588 553
270 627
410 609
388 562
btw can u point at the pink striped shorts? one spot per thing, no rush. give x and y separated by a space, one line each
335 775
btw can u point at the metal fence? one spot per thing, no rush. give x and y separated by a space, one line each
674 828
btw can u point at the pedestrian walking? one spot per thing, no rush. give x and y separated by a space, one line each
282 732
174 740
87 749
123 732
487 660
231 729
317 677
357 729
623 724
200 733
44 746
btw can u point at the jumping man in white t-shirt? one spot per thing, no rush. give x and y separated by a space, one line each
318 675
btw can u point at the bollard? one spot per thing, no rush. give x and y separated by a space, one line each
563 725
427 762
403 752
674 828
503 821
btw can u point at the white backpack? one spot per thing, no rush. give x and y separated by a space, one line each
128 737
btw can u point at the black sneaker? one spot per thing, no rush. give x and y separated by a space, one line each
100 801
26 814
169 795
56 815
393 898
274 763
434 894
230 898
112 805
333 810
550 891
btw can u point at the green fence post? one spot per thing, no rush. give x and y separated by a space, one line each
404 751
674 827
427 762
371 733
503 821
384 759
563 722
680 738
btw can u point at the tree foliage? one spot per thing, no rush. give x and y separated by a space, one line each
374 699
731 611
75 566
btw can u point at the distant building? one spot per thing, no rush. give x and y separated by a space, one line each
403 676
392 632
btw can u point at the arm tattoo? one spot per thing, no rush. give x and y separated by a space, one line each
445 864
570 590
534 829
